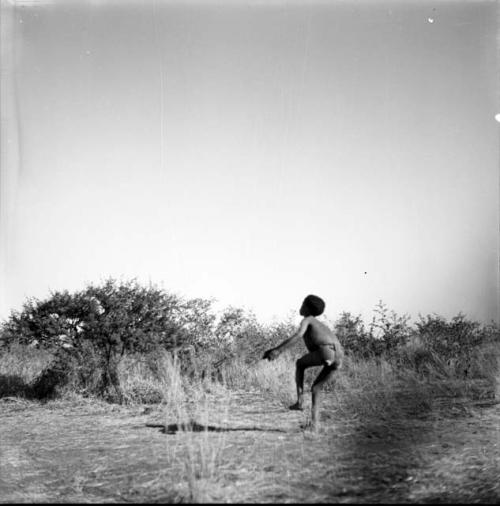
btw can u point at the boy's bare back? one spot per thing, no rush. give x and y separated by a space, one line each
317 334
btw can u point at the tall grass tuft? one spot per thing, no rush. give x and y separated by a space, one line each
20 366
271 378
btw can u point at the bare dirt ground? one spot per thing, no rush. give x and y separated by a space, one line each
253 450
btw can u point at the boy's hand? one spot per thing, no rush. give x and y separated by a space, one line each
270 354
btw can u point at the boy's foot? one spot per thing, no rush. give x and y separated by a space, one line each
310 427
296 407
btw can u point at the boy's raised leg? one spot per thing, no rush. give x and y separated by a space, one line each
310 360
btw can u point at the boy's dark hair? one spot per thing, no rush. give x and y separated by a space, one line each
315 304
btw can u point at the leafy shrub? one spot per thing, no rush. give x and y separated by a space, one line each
453 338
89 332
240 336
393 330
386 333
94 328
354 337
461 343
434 346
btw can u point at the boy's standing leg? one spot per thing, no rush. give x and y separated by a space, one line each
325 375
299 382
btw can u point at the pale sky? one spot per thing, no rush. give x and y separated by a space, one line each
254 152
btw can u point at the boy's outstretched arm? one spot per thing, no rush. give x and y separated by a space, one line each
275 352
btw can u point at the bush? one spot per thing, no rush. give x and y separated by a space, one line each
354 338
454 338
434 347
88 334
239 337
393 330
91 330
461 343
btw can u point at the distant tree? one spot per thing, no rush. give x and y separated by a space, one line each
113 318
197 319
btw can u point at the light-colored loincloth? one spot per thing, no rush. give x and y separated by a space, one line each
328 354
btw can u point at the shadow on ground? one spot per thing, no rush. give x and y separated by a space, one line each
194 426
392 446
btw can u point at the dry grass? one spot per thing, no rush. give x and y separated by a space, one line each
180 440
275 379
19 368
184 404
378 389
110 453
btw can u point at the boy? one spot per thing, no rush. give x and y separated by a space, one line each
324 349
